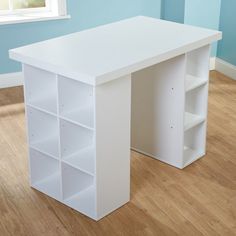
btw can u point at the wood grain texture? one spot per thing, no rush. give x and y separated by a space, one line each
199 200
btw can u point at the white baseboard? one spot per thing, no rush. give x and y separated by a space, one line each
212 63
11 80
225 68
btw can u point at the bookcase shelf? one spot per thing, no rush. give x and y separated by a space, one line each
41 88
69 185
193 82
83 160
78 190
190 155
76 102
45 174
169 105
43 132
50 185
194 143
60 117
84 201
196 101
82 117
198 63
192 120
74 139
196 97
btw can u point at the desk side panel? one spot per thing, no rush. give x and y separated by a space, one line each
158 111
112 125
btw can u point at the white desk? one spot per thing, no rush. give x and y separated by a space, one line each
78 106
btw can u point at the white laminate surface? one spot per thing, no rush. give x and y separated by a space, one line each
107 52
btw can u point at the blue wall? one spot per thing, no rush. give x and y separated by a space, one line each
227 47
203 13
173 10
85 14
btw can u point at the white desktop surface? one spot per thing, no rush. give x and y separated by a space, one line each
107 52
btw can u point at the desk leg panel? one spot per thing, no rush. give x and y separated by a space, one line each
112 140
158 97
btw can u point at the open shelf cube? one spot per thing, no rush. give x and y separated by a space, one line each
191 120
74 181
195 106
77 146
198 63
45 173
83 159
194 143
40 88
192 82
76 101
78 190
84 202
43 132
196 101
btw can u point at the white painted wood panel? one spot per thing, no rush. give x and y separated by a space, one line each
113 104
158 97
108 52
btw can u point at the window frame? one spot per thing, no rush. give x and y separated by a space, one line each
54 10
12 11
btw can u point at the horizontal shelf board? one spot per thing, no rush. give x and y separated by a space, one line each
191 120
41 109
47 103
43 152
191 155
76 123
49 146
50 186
83 160
192 82
84 201
83 117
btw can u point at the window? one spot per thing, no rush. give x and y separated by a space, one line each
19 6
17 11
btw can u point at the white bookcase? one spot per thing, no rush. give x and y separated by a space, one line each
79 134
196 102
169 108
63 133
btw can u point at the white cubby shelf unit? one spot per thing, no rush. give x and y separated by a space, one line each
196 103
169 108
60 117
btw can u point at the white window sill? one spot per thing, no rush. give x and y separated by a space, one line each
23 18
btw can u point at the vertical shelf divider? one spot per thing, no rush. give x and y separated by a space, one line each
59 142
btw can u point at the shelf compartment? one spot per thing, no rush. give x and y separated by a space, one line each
43 132
191 120
196 101
194 144
190 155
83 160
193 82
74 181
41 88
76 101
45 174
83 202
198 62
74 139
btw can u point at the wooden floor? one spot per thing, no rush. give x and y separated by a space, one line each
199 200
